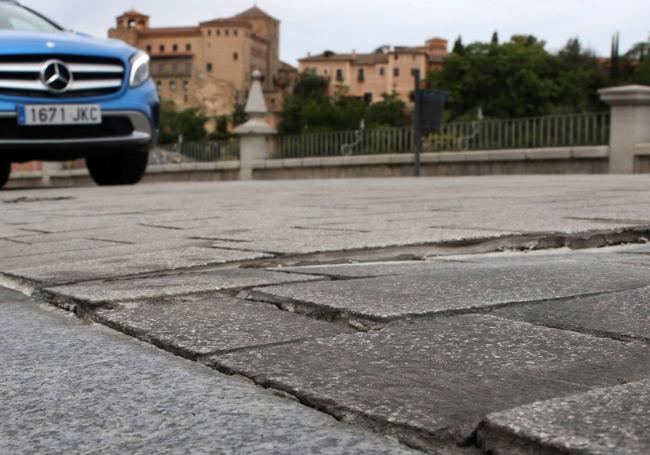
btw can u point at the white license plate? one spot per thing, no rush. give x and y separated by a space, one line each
60 114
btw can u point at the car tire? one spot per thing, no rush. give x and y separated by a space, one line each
125 168
5 172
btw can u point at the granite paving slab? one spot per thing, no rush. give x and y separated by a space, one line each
131 265
115 290
441 377
612 421
621 315
448 287
196 326
61 253
13 250
72 388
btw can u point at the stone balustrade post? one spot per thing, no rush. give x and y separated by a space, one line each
255 135
630 124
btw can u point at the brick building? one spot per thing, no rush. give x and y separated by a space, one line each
369 76
209 65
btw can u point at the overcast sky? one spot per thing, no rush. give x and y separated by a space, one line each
363 25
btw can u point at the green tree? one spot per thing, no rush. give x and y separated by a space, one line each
615 60
513 79
221 132
520 78
459 48
310 92
189 123
239 115
636 66
391 111
495 39
579 76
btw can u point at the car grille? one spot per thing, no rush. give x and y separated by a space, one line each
91 76
110 127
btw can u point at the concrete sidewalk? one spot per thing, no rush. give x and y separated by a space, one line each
456 315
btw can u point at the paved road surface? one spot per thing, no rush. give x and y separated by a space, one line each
455 315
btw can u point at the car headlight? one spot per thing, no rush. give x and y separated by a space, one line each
139 69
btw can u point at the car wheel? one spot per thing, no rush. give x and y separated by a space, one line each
5 171
118 169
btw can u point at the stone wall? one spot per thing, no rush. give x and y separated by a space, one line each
579 160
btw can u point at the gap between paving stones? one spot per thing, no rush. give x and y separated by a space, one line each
364 323
583 240
419 439
85 309
411 436
529 242
568 328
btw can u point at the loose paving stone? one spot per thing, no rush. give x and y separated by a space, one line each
196 326
448 287
441 377
100 292
621 315
303 242
129 265
72 388
612 421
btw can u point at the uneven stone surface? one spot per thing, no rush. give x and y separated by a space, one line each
302 217
443 287
441 376
67 387
195 326
129 251
116 290
130 265
621 315
612 421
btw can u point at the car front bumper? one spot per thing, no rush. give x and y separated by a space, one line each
129 120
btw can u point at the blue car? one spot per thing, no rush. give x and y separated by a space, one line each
65 96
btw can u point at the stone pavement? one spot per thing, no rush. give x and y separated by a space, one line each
456 315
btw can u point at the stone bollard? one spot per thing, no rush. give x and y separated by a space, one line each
630 124
255 134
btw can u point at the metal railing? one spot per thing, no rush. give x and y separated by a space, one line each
534 132
337 143
200 151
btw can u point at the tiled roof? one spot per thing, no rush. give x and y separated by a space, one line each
360 59
255 13
174 31
227 22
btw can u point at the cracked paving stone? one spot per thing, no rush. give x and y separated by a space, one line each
441 377
72 388
607 421
448 287
100 292
197 326
621 315
129 265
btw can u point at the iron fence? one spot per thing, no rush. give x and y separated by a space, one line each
362 142
200 151
535 132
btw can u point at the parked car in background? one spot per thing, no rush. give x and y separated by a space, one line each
65 95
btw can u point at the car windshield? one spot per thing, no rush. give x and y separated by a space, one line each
15 17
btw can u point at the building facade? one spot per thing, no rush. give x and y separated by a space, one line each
370 76
209 65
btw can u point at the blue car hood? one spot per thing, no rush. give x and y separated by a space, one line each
26 43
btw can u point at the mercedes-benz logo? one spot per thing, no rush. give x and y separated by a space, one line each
56 76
